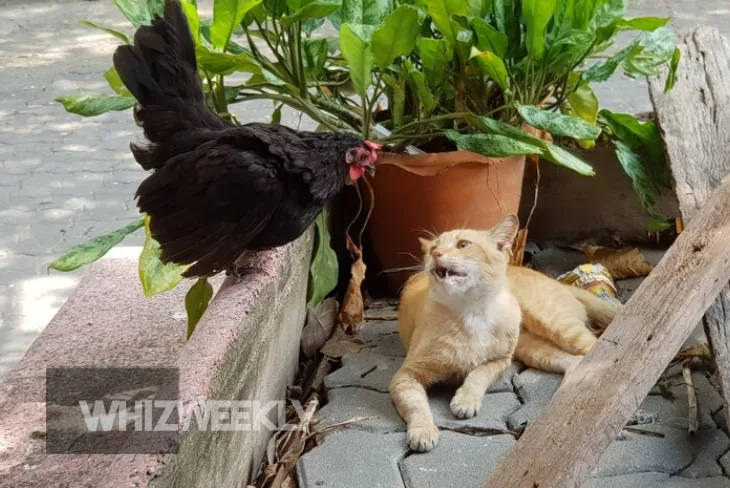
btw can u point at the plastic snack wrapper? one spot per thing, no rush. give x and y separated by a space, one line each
592 277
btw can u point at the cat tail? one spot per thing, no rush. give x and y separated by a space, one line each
600 311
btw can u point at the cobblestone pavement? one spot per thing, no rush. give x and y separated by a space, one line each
64 178
373 453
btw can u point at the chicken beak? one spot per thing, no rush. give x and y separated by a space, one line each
370 168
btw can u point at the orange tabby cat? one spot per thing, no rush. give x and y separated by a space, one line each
460 321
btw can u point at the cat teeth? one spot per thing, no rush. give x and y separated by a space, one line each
442 273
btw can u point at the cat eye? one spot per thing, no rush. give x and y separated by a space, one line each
463 244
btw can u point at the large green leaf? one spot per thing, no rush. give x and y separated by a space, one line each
191 14
489 38
397 98
318 9
92 104
492 145
657 50
134 11
537 14
355 47
275 8
365 12
83 254
197 300
436 54
603 12
396 37
478 8
315 56
441 12
155 276
227 16
492 66
417 80
116 83
558 124
642 23
119 35
324 271
644 185
225 63
672 74
637 135
550 152
155 7
584 103
560 156
604 70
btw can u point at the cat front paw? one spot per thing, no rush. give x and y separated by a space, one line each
465 404
423 438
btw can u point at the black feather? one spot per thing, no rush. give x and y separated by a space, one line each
218 189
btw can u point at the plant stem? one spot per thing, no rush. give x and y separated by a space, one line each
439 118
297 104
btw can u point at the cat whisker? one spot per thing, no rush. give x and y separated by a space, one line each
406 268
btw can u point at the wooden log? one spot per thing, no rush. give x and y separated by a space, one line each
694 119
562 447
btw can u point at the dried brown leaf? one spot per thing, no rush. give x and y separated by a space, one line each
692 420
518 249
352 311
342 344
320 323
621 263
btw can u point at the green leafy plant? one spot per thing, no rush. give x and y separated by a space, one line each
438 74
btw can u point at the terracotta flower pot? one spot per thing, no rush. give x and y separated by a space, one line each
463 190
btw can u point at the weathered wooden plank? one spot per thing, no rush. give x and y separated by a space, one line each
695 121
562 447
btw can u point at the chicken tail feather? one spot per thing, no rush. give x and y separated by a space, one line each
160 70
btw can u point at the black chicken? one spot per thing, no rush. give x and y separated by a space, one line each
221 190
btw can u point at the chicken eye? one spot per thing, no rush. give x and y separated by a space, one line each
462 244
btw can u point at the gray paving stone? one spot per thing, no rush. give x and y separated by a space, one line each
365 370
346 403
555 261
354 459
381 337
535 389
675 412
458 461
656 480
496 408
677 452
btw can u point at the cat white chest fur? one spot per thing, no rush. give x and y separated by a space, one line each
480 321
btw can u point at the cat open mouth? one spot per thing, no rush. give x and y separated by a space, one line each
443 273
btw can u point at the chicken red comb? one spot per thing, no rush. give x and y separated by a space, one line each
374 148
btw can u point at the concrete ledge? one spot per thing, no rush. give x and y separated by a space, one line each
245 347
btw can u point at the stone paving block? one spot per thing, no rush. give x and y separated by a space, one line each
458 460
677 452
346 403
656 480
352 458
675 412
505 383
365 370
535 389
381 337
627 287
496 408
554 261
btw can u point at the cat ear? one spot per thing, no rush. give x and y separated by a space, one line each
505 231
425 244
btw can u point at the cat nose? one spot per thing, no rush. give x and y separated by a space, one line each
436 254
